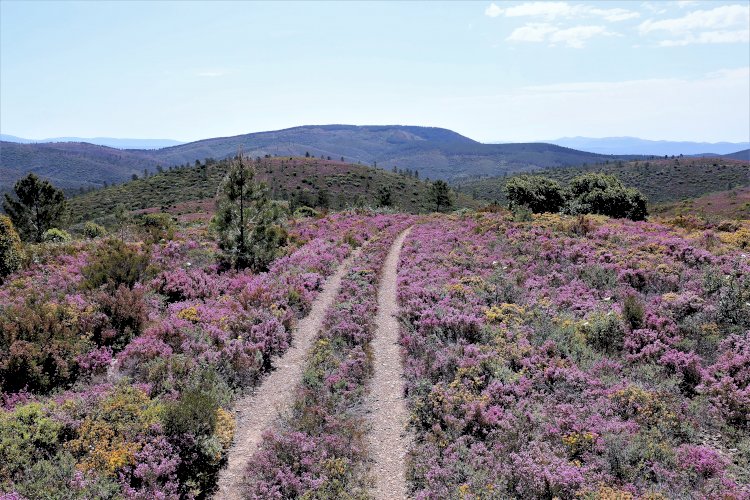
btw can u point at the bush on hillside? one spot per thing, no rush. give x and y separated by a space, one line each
55 235
39 344
115 263
605 195
588 194
27 435
305 212
538 194
249 224
92 230
10 248
36 207
439 195
158 227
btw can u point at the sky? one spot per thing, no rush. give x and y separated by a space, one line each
493 71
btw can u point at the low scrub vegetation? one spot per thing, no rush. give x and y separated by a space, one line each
544 363
119 360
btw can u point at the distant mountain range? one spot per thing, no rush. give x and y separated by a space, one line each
100 141
436 153
633 145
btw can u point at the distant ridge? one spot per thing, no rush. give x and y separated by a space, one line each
634 145
739 155
436 153
100 141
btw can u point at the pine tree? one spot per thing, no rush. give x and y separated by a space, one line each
384 197
37 207
439 195
249 225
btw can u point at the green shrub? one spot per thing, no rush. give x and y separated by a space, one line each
92 230
27 435
249 225
605 195
115 263
36 207
604 332
158 227
521 213
55 235
39 344
191 424
305 212
633 312
10 248
50 478
538 194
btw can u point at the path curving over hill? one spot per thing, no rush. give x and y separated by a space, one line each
256 412
388 439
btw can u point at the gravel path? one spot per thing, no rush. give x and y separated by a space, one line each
388 440
255 412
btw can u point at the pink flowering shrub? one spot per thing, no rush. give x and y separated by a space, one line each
134 368
551 358
728 380
544 364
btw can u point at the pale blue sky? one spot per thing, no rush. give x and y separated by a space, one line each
502 71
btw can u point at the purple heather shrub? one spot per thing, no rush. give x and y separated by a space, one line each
153 472
728 380
703 460
95 361
187 284
513 377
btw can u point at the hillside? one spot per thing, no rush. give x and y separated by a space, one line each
659 180
576 350
436 153
732 204
345 184
743 155
69 165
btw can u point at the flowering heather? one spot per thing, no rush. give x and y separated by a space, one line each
575 357
318 450
121 390
562 357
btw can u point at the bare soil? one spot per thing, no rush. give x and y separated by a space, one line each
388 439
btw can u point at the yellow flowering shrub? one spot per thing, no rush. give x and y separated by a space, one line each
189 314
739 238
224 427
644 406
510 314
605 492
579 442
107 438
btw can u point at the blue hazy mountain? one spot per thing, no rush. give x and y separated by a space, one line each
636 146
100 141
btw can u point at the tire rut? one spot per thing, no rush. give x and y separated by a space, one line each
388 439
